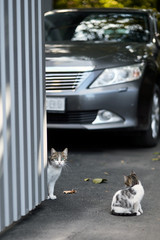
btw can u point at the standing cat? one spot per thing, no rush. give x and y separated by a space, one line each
56 162
127 202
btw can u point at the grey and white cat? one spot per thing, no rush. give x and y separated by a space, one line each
56 162
127 202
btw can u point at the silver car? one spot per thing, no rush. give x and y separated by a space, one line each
103 70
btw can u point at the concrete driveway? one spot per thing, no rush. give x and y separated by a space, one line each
85 215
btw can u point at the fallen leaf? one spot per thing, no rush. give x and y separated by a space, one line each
156 153
106 173
86 179
99 180
122 161
69 191
155 159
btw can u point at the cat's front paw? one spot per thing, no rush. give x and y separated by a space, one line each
138 213
53 197
141 211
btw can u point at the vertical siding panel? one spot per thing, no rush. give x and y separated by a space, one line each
5 115
8 118
39 106
13 166
35 167
38 83
17 128
2 215
28 103
23 147
25 113
42 99
31 100
20 107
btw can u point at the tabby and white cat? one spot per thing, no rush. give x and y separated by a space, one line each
56 162
127 202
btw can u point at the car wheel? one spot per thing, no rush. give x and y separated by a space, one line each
150 137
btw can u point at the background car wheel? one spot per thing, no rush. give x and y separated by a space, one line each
150 137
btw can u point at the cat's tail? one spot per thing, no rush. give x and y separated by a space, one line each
123 214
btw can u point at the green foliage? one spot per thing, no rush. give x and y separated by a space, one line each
140 4
105 3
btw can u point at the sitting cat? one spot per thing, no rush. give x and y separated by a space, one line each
56 162
127 202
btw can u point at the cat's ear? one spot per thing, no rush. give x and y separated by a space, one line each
65 151
133 173
125 179
53 151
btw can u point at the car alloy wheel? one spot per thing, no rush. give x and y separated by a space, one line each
150 137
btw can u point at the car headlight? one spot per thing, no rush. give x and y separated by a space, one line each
118 75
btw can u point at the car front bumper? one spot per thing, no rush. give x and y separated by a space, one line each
121 101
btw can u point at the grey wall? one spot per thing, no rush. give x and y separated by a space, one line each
23 147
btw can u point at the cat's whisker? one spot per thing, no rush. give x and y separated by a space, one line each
67 168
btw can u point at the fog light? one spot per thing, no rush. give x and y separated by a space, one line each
104 116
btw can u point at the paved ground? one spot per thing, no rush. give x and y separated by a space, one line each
86 214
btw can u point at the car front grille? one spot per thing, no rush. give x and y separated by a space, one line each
75 117
63 81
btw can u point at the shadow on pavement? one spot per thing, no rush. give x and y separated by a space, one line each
77 140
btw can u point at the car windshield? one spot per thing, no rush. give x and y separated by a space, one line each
96 26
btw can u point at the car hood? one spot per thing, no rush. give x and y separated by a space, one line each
97 55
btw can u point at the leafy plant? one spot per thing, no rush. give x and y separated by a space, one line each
105 3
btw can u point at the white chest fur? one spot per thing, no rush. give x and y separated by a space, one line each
53 173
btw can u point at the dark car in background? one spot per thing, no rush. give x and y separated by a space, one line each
103 70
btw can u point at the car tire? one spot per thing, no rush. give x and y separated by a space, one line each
150 137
